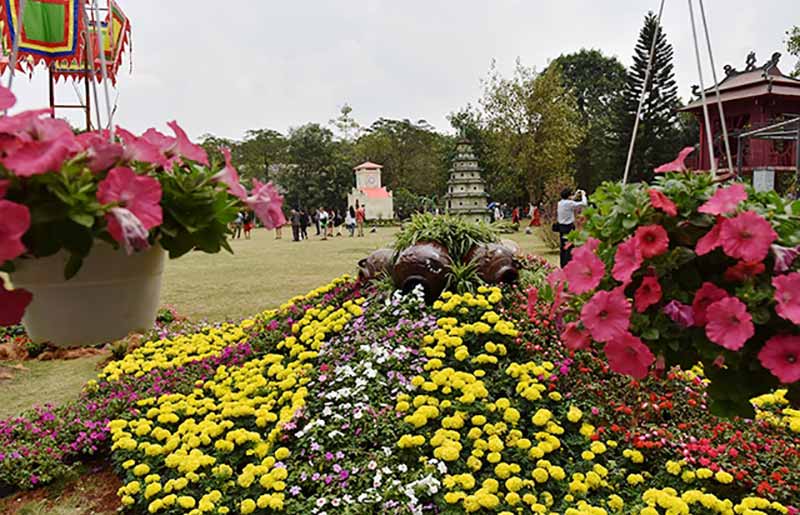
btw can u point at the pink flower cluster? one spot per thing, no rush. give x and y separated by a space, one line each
127 167
743 235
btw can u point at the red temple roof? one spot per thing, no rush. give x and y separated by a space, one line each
375 192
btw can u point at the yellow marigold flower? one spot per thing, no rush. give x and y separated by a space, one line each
598 447
688 476
542 417
635 479
704 473
511 415
587 455
247 506
141 469
673 467
540 475
615 502
555 396
723 477
186 502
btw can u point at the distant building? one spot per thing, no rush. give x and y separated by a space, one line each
377 201
466 192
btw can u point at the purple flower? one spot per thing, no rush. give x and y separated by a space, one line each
329 455
295 490
315 476
680 313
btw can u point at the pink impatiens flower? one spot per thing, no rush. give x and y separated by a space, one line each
15 220
575 338
607 315
747 236
585 271
627 260
709 241
787 295
628 355
12 304
662 202
230 177
704 297
653 240
648 293
724 200
138 194
729 324
267 204
781 356
680 313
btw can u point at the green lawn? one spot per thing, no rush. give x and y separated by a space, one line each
261 274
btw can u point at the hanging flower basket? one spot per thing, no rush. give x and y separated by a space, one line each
85 221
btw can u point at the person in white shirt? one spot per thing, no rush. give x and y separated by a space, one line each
567 207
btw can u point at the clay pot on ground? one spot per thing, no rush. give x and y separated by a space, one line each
495 262
376 265
426 264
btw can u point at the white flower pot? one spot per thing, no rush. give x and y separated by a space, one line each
112 295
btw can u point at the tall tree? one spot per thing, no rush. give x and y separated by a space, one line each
261 149
347 127
658 139
413 155
534 125
793 47
597 82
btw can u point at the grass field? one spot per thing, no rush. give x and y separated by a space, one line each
261 274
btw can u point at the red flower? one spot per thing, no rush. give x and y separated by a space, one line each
533 298
781 356
267 204
627 260
230 177
140 198
584 272
662 202
12 304
705 296
729 324
787 295
628 355
575 338
653 240
744 270
607 315
709 241
15 220
724 200
748 236
648 293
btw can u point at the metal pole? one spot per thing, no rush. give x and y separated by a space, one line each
102 52
15 46
52 92
739 156
90 69
716 87
644 90
703 93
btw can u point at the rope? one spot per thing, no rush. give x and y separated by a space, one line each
15 47
703 92
644 90
716 88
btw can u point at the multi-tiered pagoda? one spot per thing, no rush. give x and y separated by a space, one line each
466 192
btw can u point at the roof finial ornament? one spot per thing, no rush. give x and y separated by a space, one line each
773 61
729 70
750 62
695 90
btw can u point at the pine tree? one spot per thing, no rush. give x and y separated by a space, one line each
658 138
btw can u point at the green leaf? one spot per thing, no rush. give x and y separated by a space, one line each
651 333
73 265
82 219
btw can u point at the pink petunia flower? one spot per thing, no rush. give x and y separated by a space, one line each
575 338
708 294
787 295
729 324
680 313
39 157
662 202
102 154
653 240
607 315
128 230
627 260
185 148
585 271
628 355
139 149
7 98
3 188
781 356
591 244
784 257
709 241
12 304
648 293
139 195
267 204
15 220
747 236
230 177
744 270
724 200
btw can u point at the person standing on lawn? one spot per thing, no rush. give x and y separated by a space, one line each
305 221
361 215
295 216
322 216
567 208
350 221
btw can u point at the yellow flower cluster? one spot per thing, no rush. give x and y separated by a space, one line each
671 502
772 407
180 450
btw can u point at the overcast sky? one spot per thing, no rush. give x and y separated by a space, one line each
227 66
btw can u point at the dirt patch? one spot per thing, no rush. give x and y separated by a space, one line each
94 492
